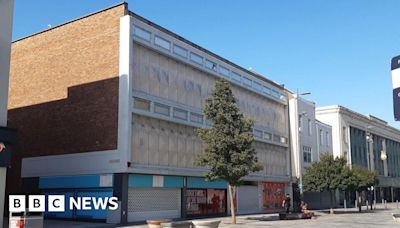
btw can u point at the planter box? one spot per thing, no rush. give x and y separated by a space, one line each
396 217
156 223
183 224
206 224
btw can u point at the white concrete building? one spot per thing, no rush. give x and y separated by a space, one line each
324 138
309 139
156 82
366 141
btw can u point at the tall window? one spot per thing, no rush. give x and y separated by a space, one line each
327 138
307 154
321 135
300 123
309 127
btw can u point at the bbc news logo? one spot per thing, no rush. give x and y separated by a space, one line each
57 203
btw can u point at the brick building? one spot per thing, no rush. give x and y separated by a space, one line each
107 104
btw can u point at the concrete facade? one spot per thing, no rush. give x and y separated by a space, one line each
366 141
310 137
324 138
6 18
110 105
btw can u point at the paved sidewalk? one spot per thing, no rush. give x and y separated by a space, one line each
342 218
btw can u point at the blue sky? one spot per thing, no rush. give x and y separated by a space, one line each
339 50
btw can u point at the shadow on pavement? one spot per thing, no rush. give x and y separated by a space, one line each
349 212
264 218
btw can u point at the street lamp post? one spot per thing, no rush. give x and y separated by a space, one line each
301 158
370 161
300 154
383 157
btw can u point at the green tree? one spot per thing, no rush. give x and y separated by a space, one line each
362 178
228 151
328 174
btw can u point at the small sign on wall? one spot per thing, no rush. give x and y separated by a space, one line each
158 181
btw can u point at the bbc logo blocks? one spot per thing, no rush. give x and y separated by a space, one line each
56 203
16 203
37 203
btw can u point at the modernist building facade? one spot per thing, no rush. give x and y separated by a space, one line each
310 139
108 105
369 142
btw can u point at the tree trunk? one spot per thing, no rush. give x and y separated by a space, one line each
331 196
231 190
359 201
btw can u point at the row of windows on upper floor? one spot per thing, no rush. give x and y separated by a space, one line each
198 119
208 64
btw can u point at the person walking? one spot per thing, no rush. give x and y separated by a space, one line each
286 203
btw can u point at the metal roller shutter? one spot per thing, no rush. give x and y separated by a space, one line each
151 203
248 199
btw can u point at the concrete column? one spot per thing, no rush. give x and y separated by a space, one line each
6 15
385 168
183 198
121 191
125 92
371 154
391 189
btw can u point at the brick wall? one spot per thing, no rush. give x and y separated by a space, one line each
63 95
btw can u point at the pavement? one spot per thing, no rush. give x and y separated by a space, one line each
380 217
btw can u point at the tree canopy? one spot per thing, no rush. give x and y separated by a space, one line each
364 178
228 150
327 174
331 173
